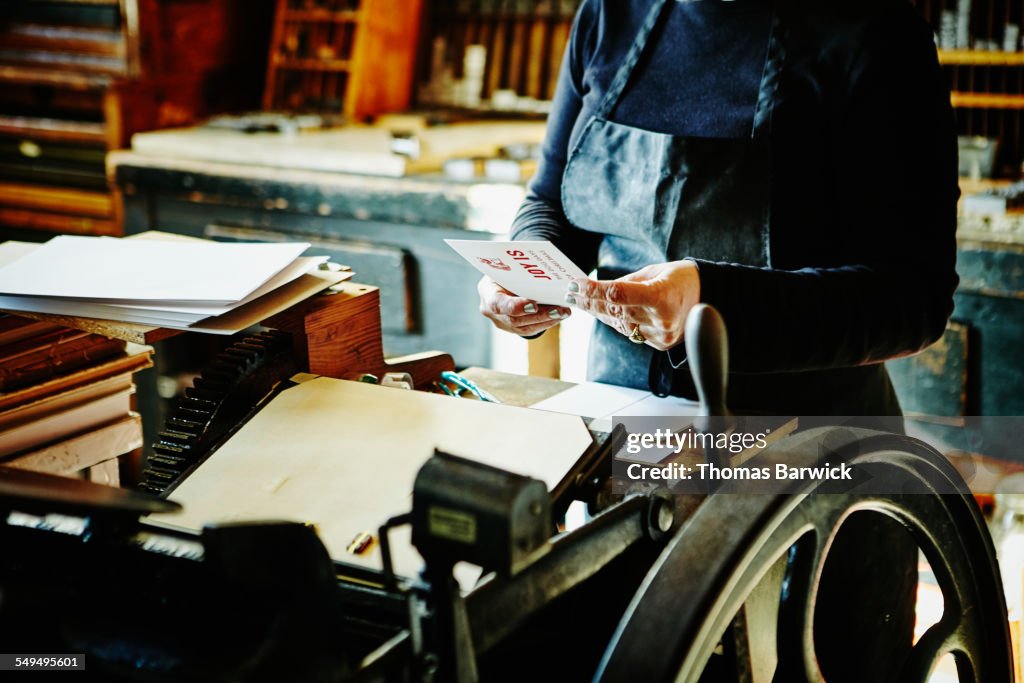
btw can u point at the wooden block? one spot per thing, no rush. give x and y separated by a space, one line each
15 328
126 364
339 335
106 473
39 358
425 367
85 450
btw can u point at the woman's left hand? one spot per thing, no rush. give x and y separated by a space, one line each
656 298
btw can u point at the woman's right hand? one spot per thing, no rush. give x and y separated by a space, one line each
515 314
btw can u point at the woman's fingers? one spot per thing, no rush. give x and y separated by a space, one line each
610 292
497 301
527 325
626 305
530 330
654 337
656 298
630 301
516 314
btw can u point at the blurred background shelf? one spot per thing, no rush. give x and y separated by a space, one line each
984 100
980 57
353 57
79 77
981 52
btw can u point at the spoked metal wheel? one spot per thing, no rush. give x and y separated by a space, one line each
713 573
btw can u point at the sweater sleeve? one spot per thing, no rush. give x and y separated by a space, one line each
894 222
541 216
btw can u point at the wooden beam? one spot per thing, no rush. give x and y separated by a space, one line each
106 473
95 447
54 222
80 40
984 100
980 58
57 199
54 130
57 77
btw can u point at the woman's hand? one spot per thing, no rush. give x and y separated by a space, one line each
515 314
657 298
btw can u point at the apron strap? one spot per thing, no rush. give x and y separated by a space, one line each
636 51
767 95
767 92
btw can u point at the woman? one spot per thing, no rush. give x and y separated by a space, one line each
792 163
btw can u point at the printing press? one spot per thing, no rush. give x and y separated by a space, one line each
654 586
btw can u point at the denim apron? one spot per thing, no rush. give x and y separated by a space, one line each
658 198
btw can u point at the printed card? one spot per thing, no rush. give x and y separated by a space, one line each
534 270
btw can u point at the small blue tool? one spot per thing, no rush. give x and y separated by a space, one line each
468 385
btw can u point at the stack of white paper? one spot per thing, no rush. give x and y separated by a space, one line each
174 284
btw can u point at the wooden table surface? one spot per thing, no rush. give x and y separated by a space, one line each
516 390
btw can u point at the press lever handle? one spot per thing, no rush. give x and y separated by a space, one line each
707 349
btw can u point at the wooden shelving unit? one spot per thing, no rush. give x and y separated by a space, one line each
987 84
525 41
984 100
310 64
352 57
980 58
320 14
79 77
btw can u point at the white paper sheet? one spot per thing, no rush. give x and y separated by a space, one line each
153 314
534 270
112 270
149 314
12 251
277 295
605 402
592 399
295 269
